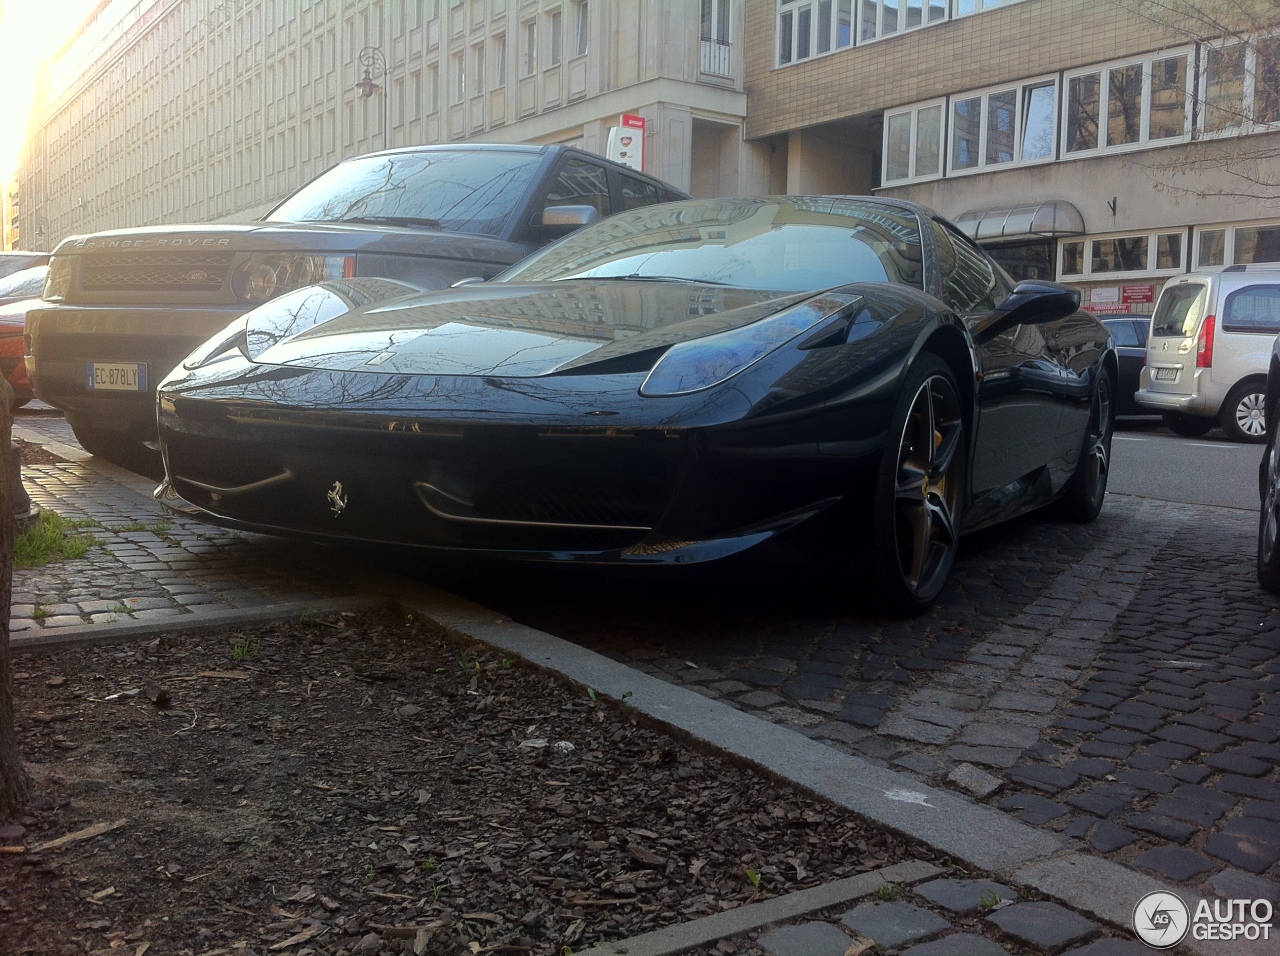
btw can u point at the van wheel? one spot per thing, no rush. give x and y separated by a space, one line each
1188 426
1243 416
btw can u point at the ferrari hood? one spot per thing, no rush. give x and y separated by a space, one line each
495 329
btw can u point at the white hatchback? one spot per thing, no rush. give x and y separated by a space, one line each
1209 349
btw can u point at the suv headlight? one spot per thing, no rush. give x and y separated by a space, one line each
701 363
262 277
57 282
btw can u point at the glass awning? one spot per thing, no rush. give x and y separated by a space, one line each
1045 220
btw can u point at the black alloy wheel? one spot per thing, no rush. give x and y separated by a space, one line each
1087 488
1269 522
920 491
1243 415
1188 426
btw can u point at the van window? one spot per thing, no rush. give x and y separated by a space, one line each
1178 311
1253 309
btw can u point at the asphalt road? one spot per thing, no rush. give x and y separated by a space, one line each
1150 462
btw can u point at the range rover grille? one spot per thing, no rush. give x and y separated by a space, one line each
171 271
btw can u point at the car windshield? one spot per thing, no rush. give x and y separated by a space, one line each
472 191
28 282
787 244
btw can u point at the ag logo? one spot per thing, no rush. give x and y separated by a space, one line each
1161 919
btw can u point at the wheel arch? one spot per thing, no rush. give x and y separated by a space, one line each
952 346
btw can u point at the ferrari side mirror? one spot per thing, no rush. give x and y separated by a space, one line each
1032 301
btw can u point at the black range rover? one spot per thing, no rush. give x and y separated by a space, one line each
123 308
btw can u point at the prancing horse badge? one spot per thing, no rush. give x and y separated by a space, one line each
337 499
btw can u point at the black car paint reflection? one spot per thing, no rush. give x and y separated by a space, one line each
533 417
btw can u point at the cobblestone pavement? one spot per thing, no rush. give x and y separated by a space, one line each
1116 682
150 564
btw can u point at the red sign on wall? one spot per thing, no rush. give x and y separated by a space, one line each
1132 294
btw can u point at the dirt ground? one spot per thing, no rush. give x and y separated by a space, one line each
363 784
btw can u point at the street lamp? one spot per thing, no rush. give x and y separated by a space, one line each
374 63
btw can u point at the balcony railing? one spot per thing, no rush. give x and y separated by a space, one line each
716 60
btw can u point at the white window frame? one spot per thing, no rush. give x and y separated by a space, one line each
582 27
914 109
1022 88
979 6
898 30
792 9
1228 241
555 37
499 61
528 48
1247 124
478 78
1153 248
458 78
1103 70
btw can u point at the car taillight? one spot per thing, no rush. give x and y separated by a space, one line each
1204 344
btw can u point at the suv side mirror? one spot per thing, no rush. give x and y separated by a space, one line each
1032 300
568 218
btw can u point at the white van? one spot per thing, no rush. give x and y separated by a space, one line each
1209 348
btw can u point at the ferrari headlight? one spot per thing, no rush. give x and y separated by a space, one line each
262 277
701 363
57 282
230 339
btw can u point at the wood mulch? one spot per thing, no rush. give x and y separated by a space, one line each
364 784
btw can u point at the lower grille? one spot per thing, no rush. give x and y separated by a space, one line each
599 508
173 271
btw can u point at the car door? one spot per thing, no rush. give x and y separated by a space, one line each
1017 431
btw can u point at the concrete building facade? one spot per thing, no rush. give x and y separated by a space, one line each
167 111
1079 140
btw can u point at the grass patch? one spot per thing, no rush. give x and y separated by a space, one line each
53 538
155 527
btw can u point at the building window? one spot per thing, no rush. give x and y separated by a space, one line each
459 86
1240 85
555 39
581 24
1238 245
433 87
913 144
477 69
1007 126
808 28
965 7
1126 106
714 38
500 56
1121 256
886 18
529 51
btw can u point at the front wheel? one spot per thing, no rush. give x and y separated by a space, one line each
1269 522
1244 413
1087 487
920 490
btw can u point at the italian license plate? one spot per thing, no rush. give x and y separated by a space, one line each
116 376
1164 374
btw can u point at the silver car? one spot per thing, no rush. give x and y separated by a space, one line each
1208 351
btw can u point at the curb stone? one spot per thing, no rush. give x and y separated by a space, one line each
48 642
743 919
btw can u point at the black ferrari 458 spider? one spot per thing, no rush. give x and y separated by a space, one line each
818 377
